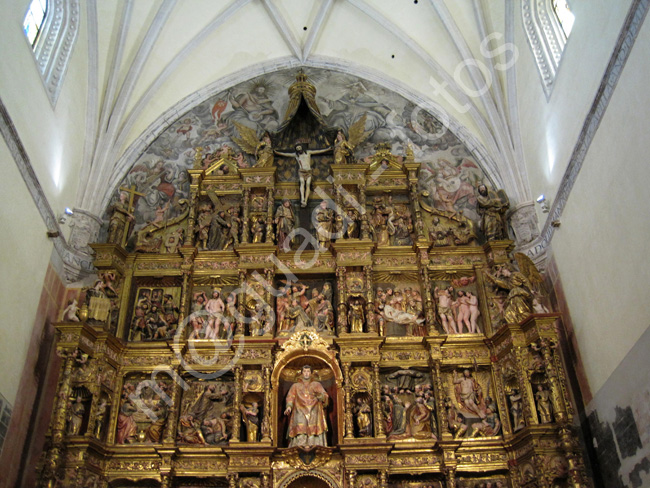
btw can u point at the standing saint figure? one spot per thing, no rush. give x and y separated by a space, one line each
303 157
544 405
356 316
306 404
285 220
120 218
492 209
324 224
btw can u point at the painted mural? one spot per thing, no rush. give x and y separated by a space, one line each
448 177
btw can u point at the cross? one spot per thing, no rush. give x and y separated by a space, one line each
132 193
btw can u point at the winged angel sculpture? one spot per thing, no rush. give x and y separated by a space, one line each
524 287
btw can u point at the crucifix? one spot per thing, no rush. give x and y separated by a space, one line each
129 210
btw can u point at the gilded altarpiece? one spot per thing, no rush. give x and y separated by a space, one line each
312 319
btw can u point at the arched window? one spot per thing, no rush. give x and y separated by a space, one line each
34 20
564 15
548 24
51 28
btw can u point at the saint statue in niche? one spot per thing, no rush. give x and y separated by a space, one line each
306 404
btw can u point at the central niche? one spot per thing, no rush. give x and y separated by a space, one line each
308 482
304 396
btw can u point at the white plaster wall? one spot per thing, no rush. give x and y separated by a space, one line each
550 128
601 247
53 138
25 254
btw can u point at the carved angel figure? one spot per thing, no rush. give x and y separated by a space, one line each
521 286
343 148
262 148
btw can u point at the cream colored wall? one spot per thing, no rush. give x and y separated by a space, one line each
26 252
601 247
54 141
53 138
604 231
550 128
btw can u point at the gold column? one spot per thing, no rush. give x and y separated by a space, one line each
342 321
169 435
266 421
236 420
419 223
195 176
349 426
232 480
245 235
365 230
383 479
439 391
269 217
429 306
527 396
239 324
558 402
379 418
266 480
370 300
352 479
54 456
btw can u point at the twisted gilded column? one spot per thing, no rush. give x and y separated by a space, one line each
246 230
169 435
349 426
370 300
239 323
429 305
266 420
552 375
269 217
342 321
55 454
236 420
443 424
376 393
365 228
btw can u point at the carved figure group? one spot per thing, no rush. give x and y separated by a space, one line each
143 412
218 229
409 411
213 318
296 311
207 418
456 312
155 316
399 309
474 407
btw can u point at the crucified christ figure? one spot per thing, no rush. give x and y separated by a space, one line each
303 157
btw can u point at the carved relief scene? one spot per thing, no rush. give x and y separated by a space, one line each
399 308
470 404
305 305
457 305
207 413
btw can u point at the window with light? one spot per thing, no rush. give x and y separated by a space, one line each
564 15
34 20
